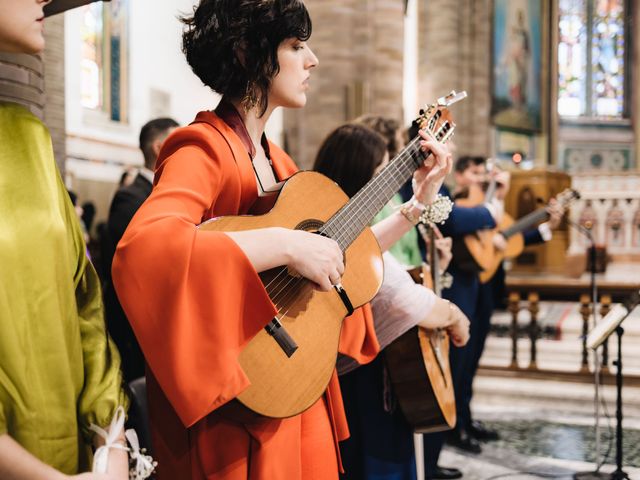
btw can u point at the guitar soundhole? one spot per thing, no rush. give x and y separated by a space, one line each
310 225
313 225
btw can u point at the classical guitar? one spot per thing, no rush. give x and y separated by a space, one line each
512 232
418 364
472 252
290 362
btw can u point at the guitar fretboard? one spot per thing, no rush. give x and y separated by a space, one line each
345 226
526 222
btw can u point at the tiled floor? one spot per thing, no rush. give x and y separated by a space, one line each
498 463
543 444
563 441
547 426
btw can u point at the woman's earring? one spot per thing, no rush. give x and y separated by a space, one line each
250 99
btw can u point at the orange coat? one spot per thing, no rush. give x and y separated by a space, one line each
194 300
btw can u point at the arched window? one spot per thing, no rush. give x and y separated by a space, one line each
105 58
593 58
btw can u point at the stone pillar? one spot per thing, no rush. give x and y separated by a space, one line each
455 54
54 107
22 81
635 79
37 82
360 47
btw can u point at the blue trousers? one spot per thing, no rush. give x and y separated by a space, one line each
464 292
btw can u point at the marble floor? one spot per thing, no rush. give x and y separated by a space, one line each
565 441
544 443
499 463
547 426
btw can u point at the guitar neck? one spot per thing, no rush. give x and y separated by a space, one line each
345 226
434 262
526 222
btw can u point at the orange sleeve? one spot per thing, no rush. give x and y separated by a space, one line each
283 164
358 337
191 296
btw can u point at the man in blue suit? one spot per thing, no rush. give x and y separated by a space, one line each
490 295
464 292
477 301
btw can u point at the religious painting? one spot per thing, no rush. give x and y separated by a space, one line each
517 65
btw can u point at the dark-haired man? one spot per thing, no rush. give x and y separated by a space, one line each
124 205
464 293
476 300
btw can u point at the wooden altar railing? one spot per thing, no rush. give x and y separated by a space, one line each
615 285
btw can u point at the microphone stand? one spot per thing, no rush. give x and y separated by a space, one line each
619 474
596 364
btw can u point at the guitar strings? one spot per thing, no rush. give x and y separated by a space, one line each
283 299
338 235
408 153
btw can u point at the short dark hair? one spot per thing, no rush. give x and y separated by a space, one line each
232 45
350 155
73 196
149 134
385 126
467 161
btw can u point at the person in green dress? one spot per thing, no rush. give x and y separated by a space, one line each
59 372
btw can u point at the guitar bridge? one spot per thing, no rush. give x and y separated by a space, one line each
282 337
345 298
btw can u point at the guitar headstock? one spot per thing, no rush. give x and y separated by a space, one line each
436 118
567 196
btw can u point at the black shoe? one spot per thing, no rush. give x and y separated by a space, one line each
445 474
480 432
464 441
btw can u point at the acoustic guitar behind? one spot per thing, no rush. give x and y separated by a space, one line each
290 362
512 232
418 365
473 251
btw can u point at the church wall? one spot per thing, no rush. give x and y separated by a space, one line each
37 82
360 45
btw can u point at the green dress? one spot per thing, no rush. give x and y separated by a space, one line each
59 372
405 250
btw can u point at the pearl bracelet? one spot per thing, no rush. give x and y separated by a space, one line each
436 212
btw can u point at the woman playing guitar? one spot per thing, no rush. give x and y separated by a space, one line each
381 442
194 297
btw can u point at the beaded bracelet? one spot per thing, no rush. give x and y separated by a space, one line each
436 212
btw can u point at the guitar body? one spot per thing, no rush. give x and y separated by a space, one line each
424 390
418 365
479 247
515 246
512 231
283 386
472 253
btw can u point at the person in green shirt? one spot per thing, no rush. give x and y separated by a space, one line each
59 372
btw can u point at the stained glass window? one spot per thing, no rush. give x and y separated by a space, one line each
92 89
591 58
105 58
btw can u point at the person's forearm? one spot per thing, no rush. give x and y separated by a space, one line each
18 464
265 248
439 316
118 463
393 228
